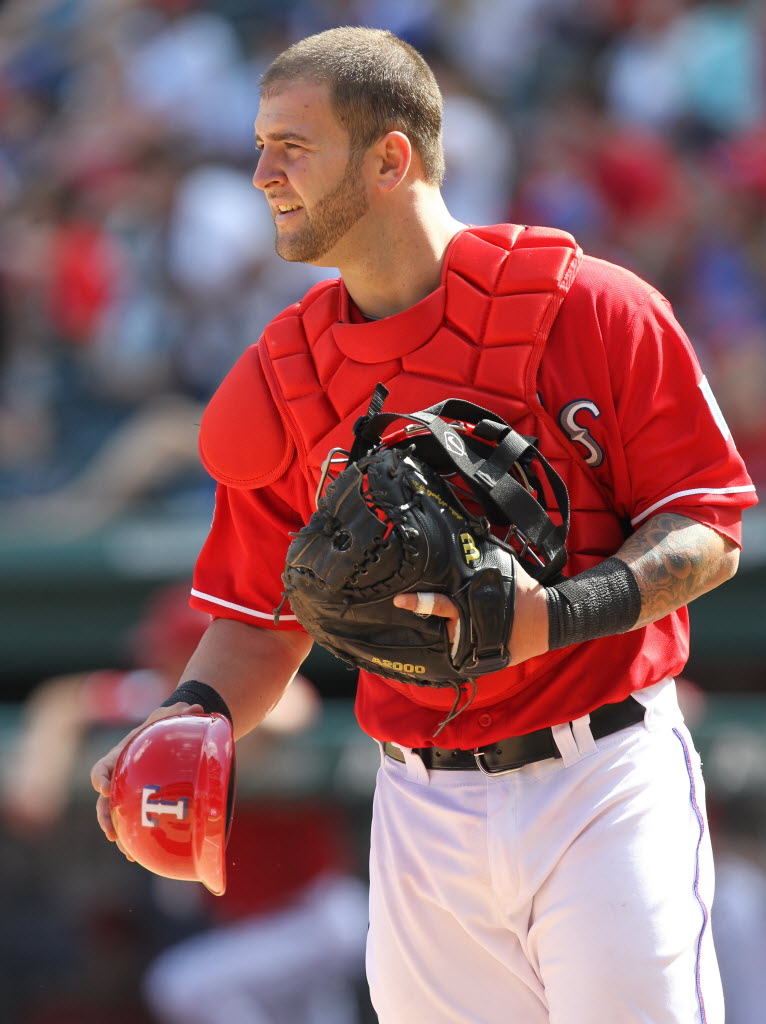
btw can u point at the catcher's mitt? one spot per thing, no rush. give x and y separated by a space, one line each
390 523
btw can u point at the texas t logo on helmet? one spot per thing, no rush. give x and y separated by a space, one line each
150 807
172 798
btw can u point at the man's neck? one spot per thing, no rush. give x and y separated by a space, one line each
405 263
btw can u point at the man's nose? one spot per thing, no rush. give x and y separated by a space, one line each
267 172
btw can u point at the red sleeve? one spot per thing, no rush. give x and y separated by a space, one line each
678 447
661 442
238 574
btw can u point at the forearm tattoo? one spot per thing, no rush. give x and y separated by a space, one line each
675 560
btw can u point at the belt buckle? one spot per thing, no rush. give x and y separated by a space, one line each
478 754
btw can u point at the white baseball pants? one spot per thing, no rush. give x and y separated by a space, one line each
573 891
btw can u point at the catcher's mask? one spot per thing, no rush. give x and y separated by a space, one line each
485 462
172 798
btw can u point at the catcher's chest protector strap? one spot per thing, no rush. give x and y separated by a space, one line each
485 467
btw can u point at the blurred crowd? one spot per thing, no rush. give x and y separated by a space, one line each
137 261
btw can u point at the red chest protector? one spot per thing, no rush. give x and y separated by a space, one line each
479 336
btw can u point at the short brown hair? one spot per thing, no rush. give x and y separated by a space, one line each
378 83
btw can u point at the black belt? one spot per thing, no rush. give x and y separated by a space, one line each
516 751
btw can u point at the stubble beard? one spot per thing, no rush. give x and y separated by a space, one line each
334 215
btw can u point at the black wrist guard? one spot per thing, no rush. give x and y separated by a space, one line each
601 601
191 691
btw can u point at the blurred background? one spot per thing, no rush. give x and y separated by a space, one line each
136 262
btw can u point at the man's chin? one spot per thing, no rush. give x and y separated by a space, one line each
296 254
288 256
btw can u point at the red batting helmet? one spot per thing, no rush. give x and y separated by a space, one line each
172 797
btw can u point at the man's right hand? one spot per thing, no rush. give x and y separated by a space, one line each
229 654
102 771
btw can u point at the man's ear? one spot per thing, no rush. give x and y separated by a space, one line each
393 158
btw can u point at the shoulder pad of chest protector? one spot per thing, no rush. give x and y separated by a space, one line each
242 440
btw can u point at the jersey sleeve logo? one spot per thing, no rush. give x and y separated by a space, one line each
580 434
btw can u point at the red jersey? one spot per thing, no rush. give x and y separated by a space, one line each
620 378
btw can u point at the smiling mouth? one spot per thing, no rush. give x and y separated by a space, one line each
283 208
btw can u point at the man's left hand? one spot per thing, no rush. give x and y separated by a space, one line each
529 633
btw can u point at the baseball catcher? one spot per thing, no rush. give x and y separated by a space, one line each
413 511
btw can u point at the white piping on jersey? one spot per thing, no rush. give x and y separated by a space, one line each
693 490
714 407
241 608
